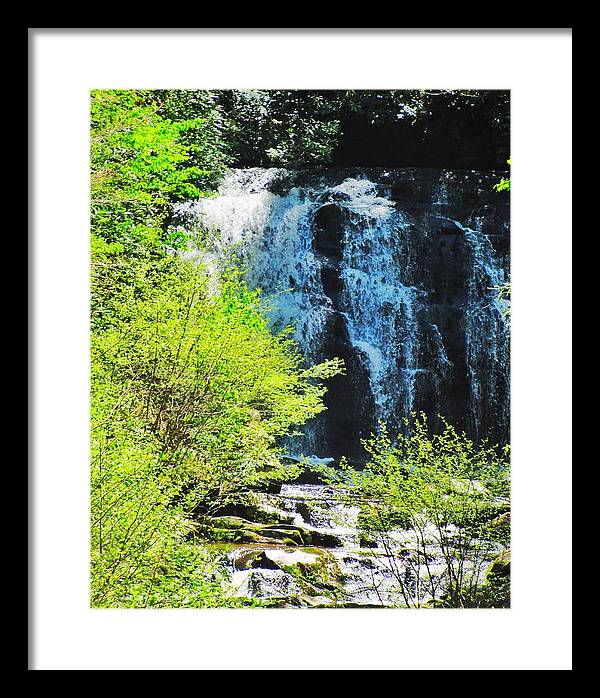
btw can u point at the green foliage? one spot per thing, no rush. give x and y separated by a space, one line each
190 390
504 295
216 387
504 183
141 552
191 394
136 166
301 128
144 155
137 540
202 134
445 489
280 127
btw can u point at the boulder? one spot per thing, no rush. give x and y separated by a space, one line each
286 534
274 558
501 521
232 522
240 530
500 566
264 584
367 542
255 510
277 558
228 535
306 601
446 227
325 540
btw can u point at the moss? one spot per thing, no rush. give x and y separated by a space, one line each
493 593
233 522
501 521
236 529
288 536
253 510
433 603
322 577
500 566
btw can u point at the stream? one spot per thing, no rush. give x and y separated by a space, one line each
396 569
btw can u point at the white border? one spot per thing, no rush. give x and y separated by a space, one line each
536 632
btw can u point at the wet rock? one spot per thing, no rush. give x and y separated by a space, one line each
367 542
232 522
228 535
264 584
247 559
315 570
263 561
502 521
446 227
255 510
365 562
271 487
284 558
325 540
274 558
305 601
329 230
237 529
500 566
286 534
417 277
301 536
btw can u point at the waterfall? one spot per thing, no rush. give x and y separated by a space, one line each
392 270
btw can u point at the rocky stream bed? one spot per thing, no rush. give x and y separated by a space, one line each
302 547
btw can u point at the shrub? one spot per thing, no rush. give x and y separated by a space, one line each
448 492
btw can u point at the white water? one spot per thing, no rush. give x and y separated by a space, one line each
383 298
386 300
373 576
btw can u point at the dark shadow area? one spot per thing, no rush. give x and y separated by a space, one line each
450 144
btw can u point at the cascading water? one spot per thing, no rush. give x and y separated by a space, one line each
393 271
400 568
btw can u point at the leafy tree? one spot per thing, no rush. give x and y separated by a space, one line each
280 127
215 387
190 391
140 556
449 493
139 166
304 128
204 123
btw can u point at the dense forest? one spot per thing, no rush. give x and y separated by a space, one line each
198 395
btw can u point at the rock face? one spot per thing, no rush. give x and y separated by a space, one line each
393 271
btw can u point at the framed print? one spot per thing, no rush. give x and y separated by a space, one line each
296 389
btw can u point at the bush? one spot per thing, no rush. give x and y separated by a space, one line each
191 394
446 490
190 391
